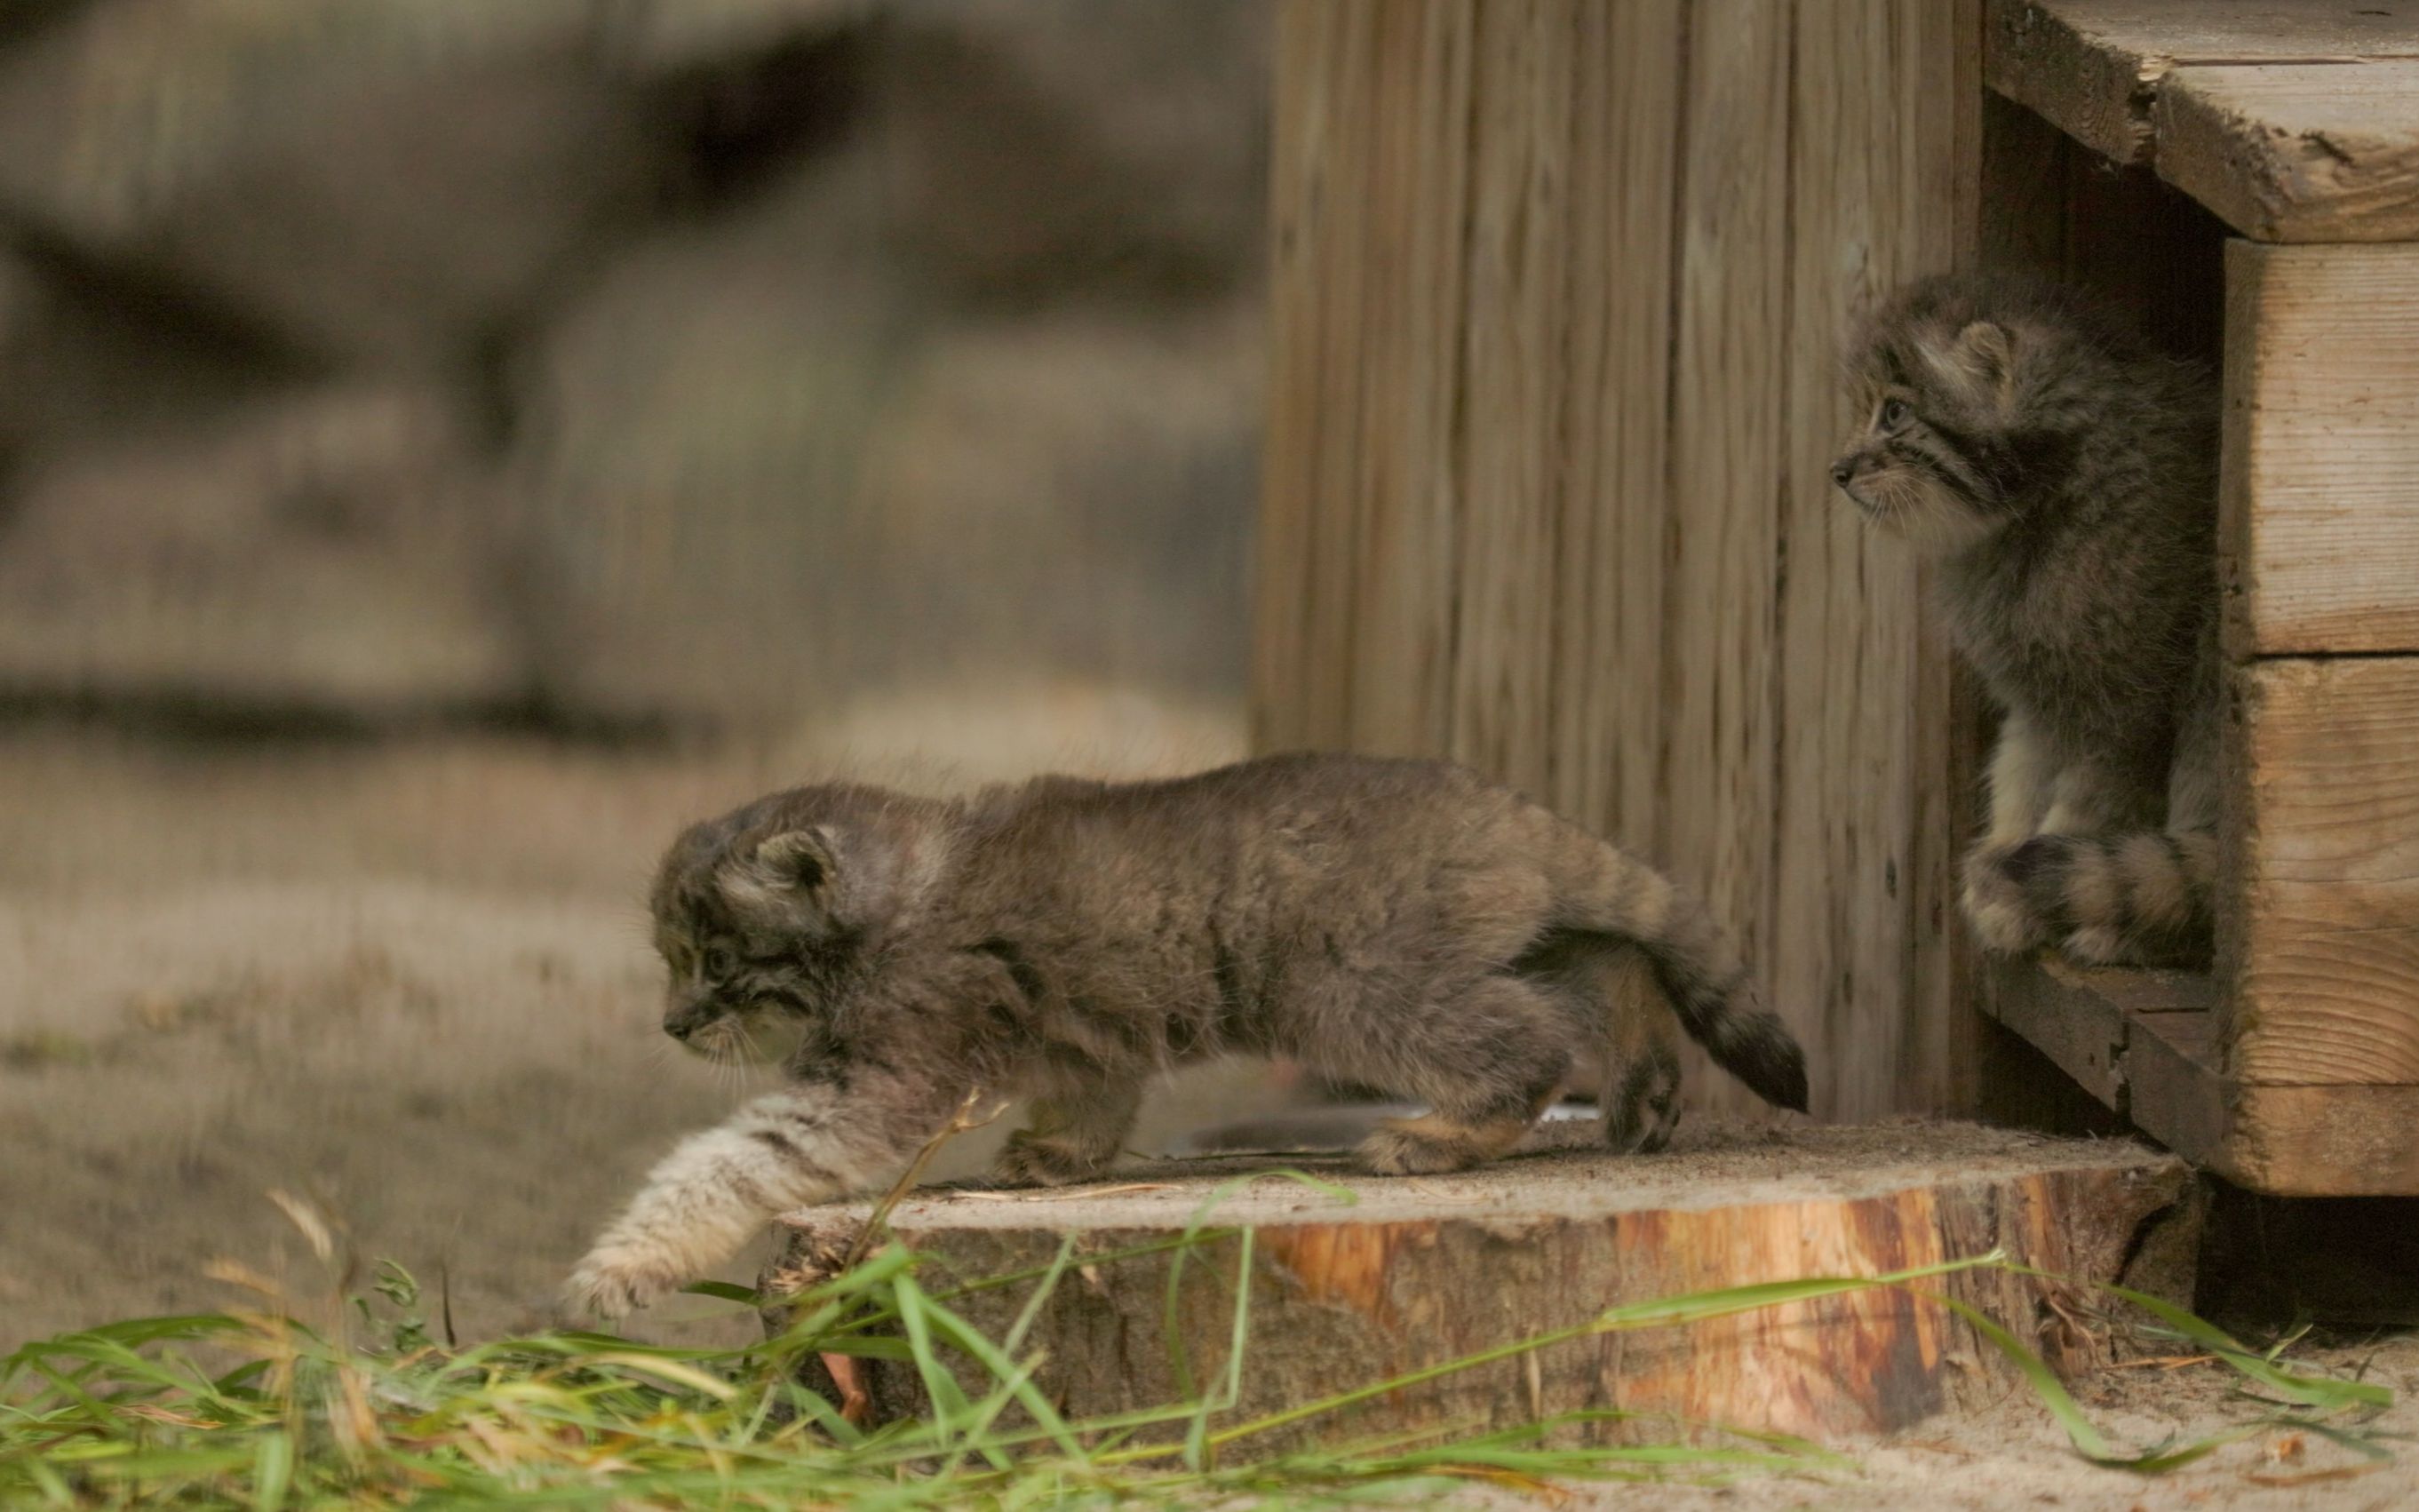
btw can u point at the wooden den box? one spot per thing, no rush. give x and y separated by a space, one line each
2249 176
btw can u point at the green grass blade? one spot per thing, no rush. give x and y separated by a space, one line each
272 1470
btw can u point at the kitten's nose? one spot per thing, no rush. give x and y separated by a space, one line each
1843 471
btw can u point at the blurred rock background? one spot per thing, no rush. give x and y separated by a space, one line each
621 364
445 446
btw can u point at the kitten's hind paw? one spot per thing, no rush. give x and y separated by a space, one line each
1029 1160
1431 1146
1995 904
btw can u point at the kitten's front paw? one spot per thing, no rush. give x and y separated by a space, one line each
1995 905
614 1279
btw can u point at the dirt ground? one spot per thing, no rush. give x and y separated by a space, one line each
407 980
410 979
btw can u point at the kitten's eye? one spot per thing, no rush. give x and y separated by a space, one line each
1895 413
719 962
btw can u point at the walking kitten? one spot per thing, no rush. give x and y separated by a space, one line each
2065 477
1396 922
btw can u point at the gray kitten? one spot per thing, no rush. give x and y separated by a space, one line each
2065 476
1400 923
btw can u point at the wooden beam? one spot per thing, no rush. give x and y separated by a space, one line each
2323 1141
2297 152
2295 122
2175 1092
2095 68
2319 493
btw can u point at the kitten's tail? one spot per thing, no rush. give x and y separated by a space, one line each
1711 990
2139 897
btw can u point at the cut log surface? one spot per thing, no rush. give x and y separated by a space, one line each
2294 121
1346 1291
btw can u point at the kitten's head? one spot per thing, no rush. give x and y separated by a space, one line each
763 914
1973 392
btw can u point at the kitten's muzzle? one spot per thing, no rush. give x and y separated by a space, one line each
683 1022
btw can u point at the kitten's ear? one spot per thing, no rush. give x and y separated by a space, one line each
782 879
802 859
1989 352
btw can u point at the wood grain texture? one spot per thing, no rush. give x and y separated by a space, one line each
1565 380
1613 514
1409 490
2323 1141
1715 820
2097 68
2297 152
2280 1141
1519 245
1407 1277
1871 721
2319 498
2319 931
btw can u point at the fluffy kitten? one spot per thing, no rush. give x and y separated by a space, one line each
1400 923
2065 476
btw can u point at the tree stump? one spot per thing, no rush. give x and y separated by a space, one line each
1416 1271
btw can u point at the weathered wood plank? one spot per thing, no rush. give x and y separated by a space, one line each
2082 1031
1417 1272
2174 1088
2319 511
1607 716
1410 491
1306 437
2169 1078
1519 239
1716 819
2320 933
2322 1141
2297 152
1556 311
2096 68
1863 690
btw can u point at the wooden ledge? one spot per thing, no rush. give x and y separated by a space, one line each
1415 1271
2145 1043
2293 122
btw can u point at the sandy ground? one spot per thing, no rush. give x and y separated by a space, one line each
2013 1455
409 981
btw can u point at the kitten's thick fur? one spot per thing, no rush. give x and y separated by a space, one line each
1400 923
2065 476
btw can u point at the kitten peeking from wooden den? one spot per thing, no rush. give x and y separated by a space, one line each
2065 477
1400 923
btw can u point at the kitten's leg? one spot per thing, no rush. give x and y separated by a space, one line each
716 1189
1639 1101
1487 1059
2089 796
2023 773
1074 1135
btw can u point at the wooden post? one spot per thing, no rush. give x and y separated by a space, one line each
1558 292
